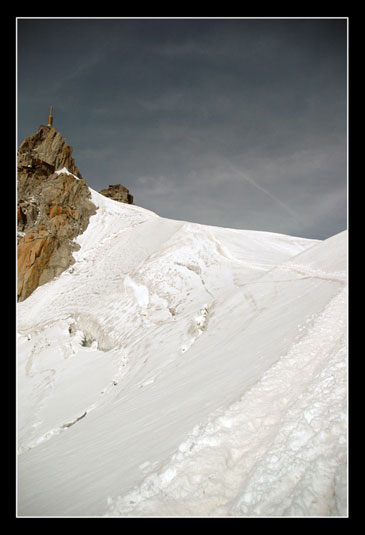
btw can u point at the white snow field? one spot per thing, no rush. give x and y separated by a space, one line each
185 370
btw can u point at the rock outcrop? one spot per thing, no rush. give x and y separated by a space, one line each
49 147
54 207
118 192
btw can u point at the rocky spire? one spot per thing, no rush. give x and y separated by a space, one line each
53 208
48 146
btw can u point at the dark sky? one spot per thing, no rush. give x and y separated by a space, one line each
237 123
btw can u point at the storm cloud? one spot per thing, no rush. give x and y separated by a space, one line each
239 123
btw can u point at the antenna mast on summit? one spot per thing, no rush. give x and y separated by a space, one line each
50 117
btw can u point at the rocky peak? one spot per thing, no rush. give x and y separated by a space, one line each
54 207
118 192
47 146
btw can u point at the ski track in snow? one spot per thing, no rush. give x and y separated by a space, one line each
267 454
144 294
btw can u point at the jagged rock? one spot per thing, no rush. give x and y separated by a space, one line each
53 208
46 151
118 192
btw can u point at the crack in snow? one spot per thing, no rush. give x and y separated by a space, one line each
51 433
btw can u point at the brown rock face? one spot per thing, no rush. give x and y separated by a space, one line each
52 209
34 253
118 193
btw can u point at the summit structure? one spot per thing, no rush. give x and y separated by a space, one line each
50 117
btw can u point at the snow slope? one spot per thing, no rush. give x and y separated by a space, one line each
178 369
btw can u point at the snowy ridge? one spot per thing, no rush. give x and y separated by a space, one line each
180 369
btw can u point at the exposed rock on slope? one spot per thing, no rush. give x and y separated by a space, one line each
53 208
118 192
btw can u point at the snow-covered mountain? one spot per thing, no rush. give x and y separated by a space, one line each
178 369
